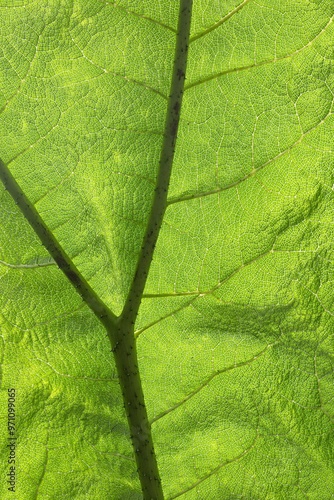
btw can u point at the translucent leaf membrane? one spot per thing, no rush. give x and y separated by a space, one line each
235 330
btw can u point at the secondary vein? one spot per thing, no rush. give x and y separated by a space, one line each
62 259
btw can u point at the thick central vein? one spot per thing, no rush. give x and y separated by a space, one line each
165 164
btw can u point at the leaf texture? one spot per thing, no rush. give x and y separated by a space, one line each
235 329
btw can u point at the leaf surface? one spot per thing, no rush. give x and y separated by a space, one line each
235 329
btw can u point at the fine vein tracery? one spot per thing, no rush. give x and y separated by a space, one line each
120 329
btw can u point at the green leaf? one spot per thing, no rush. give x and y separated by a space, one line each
235 328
